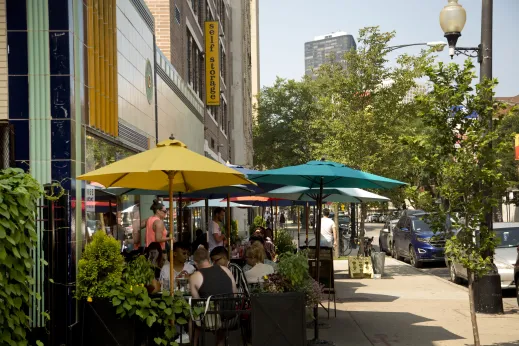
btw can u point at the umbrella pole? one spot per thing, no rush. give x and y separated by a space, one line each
171 175
275 223
318 255
228 216
180 217
206 215
307 216
298 227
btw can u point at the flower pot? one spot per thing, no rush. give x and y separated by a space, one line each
102 327
278 319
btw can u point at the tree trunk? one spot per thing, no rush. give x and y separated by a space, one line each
363 214
473 317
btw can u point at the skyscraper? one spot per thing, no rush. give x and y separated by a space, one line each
325 48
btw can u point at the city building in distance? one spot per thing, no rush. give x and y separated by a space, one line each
327 48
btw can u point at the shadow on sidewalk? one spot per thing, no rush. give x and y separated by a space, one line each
359 328
347 293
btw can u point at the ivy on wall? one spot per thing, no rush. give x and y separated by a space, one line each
19 193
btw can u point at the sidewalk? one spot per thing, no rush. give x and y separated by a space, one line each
409 307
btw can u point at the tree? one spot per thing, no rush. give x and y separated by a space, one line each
362 108
453 152
282 135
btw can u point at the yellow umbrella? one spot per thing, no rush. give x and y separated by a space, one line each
170 167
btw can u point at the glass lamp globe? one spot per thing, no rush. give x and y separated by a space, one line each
453 17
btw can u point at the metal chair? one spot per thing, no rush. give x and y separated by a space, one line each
221 315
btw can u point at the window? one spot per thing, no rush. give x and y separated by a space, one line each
223 64
194 65
177 15
221 14
208 15
223 117
212 143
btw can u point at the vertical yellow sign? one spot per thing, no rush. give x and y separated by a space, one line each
517 148
212 64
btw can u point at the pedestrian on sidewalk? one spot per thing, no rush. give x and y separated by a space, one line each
328 230
282 220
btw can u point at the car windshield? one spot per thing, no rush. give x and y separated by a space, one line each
421 226
509 237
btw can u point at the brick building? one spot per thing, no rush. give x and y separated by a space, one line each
180 36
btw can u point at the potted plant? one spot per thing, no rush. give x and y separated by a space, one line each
118 308
279 307
100 270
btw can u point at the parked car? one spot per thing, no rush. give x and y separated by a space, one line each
414 239
385 238
505 256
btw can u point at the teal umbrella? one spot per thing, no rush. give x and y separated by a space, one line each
332 174
323 174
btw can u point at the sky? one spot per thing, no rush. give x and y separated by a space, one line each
285 25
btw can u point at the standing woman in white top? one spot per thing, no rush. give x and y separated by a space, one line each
328 230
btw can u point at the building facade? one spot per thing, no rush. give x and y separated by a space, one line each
181 24
255 53
241 87
84 83
326 48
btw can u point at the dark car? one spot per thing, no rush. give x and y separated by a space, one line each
414 239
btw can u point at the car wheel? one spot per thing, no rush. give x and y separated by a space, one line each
397 255
414 261
454 277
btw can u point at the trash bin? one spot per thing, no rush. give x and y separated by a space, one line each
378 259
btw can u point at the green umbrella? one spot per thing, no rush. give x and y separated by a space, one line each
323 174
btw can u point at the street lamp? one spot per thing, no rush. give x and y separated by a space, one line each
452 20
487 291
436 45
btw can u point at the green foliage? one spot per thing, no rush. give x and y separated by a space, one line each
281 132
165 310
19 193
293 276
139 272
461 176
283 242
100 268
234 231
294 267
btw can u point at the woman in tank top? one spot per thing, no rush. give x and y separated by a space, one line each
155 229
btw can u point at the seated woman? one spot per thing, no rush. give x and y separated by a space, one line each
260 242
255 257
155 256
182 268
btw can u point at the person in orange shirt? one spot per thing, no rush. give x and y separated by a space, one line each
155 229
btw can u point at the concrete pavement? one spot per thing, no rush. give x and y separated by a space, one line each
409 307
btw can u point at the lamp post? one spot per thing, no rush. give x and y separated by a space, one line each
487 289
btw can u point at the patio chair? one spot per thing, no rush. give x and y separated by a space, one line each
221 315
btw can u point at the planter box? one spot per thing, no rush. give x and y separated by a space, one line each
360 267
278 319
102 327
